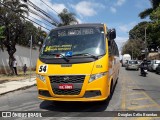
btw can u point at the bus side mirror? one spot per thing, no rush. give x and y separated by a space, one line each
111 35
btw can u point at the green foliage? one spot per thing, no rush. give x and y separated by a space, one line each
67 18
133 47
17 30
29 29
153 27
137 34
147 12
137 38
138 31
1 32
1 36
155 16
11 18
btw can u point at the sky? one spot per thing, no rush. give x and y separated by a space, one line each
119 14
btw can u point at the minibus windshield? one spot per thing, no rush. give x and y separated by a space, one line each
74 42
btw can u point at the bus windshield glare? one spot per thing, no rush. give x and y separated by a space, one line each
76 41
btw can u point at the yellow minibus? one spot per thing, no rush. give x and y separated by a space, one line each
78 63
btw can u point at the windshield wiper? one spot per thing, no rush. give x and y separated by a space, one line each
86 54
48 53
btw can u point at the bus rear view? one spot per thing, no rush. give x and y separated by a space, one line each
74 64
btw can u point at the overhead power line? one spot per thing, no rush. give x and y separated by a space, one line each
32 9
40 16
37 24
49 6
40 21
24 16
54 21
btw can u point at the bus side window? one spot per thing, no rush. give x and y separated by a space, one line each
109 47
113 49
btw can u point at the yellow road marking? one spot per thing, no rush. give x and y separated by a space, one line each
139 99
142 106
123 105
146 94
130 86
134 82
151 99
124 101
136 93
116 118
144 118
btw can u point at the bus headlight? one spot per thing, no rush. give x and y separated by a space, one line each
96 76
42 78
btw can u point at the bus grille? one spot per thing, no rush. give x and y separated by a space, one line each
71 79
66 92
75 80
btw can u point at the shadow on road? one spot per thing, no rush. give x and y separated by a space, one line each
76 106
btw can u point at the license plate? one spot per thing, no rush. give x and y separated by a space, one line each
65 86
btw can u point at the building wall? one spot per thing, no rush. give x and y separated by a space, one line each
22 56
154 56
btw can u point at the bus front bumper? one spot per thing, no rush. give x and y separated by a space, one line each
73 99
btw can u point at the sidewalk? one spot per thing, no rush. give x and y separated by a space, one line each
11 86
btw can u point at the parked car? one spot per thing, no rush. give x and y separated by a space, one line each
153 65
158 69
132 65
150 65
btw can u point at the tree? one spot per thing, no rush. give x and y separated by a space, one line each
38 35
138 30
41 35
1 36
155 16
67 18
28 30
132 47
147 12
136 41
11 16
137 38
137 33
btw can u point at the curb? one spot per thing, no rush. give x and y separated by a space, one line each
22 88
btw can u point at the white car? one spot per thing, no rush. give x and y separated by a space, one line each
153 65
132 65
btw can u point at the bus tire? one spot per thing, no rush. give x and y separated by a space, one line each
111 90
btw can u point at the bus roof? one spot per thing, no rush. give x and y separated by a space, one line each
81 25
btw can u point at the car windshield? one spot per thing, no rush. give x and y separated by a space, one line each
133 62
74 42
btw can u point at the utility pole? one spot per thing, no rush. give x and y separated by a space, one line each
30 56
145 43
132 51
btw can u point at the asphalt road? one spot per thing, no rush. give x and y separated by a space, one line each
132 93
